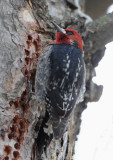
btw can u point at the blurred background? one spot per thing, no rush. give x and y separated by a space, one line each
96 8
95 141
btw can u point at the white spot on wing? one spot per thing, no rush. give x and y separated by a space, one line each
67 65
62 82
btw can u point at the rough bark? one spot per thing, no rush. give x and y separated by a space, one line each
25 29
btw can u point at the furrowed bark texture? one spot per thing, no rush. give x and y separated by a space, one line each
25 28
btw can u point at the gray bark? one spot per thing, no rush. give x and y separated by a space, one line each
25 28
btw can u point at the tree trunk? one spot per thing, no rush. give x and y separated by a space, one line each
25 28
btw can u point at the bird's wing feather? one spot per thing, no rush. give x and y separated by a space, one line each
63 87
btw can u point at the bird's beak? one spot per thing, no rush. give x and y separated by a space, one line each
59 29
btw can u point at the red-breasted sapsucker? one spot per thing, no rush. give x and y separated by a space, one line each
60 77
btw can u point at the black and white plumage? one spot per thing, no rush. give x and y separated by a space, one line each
65 84
60 78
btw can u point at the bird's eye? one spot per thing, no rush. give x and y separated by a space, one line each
69 32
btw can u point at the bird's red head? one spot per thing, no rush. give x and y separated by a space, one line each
68 36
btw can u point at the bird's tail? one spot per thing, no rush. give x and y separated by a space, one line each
59 126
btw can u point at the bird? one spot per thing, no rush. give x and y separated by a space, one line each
60 78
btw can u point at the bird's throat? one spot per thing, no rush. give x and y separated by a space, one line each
62 38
